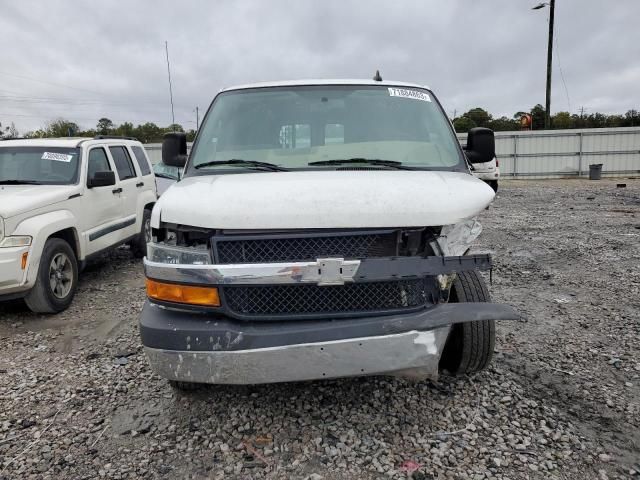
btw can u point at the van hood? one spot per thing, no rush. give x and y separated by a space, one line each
323 199
17 199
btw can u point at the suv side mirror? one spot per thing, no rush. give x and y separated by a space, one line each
481 145
101 179
174 149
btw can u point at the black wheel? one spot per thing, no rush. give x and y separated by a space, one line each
494 184
185 386
139 245
469 347
57 278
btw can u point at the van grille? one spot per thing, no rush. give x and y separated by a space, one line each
300 248
283 300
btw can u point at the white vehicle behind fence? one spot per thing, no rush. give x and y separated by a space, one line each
63 201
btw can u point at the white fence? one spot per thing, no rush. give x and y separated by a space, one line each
551 153
567 153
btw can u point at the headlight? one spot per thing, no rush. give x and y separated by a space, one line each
162 253
15 241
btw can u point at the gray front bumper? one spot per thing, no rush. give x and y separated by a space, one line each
411 354
192 347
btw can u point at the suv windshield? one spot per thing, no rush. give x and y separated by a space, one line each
330 126
39 165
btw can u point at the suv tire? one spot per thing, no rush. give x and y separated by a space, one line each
139 245
57 278
469 347
494 184
185 386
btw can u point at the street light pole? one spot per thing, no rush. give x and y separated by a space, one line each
547 110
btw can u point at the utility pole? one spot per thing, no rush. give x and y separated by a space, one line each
197 120
547 110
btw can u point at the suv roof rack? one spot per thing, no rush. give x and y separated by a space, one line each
113 137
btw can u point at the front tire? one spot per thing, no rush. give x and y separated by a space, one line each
57 278
494 184
470 345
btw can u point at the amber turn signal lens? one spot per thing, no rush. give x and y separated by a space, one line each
170 292
23 263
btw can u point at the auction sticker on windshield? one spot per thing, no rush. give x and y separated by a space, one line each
58 157
405 93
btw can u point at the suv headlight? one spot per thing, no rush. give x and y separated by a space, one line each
163 253
15 241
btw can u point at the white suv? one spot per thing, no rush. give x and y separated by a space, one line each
63 201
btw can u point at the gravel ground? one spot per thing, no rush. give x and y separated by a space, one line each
560 401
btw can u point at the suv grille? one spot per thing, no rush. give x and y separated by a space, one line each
267 249
283 300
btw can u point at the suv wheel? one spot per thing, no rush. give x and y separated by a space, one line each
469 347
139 245
494 184
57 278
185 386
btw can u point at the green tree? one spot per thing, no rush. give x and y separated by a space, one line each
125 130
148 132
562 120
503 124
479 116
632 118
61 127
463 124
537 117
174 127
191 135
104 126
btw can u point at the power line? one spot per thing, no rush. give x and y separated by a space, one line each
566 90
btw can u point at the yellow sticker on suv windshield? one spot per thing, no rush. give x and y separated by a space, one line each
406 93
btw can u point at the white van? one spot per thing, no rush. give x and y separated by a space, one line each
321 229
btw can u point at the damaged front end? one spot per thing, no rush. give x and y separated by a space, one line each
304 305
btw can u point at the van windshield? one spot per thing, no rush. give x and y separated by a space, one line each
314 127
39 165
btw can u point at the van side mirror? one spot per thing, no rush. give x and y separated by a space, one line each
101 179
174 149
481 145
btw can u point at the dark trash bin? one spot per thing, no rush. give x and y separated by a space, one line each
595 171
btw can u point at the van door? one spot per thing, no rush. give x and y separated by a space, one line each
102 206
128 189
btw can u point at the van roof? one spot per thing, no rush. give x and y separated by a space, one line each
64 142
337 81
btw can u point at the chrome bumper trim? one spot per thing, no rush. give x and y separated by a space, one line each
329 271
324 271
412 354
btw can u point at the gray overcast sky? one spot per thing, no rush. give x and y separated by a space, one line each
84 60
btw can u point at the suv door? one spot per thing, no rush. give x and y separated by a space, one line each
102 206
128 189
144 169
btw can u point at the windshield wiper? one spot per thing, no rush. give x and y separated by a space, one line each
164 175
19 182
244 163
368 161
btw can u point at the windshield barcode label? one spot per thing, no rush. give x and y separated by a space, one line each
58 157
404 93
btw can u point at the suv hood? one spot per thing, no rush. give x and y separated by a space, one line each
323 199
17 199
